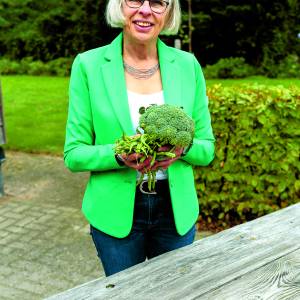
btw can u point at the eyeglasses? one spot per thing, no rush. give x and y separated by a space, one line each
157 6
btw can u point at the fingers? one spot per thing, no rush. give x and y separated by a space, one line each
163 164
132 157
178 151
164 148
135 160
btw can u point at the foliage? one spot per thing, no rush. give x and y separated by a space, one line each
285 82
262 32
8 67
233 67
46 30
256 168
288 67
26 66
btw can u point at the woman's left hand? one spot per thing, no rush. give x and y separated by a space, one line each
132 161
164 164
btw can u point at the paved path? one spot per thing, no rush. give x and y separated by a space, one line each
45 245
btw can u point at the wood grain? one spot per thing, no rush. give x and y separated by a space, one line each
279 279
208 266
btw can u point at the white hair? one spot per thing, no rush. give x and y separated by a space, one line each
115 17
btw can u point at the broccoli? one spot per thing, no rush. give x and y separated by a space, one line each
168 124
159 125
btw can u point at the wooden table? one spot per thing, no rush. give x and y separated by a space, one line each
255 260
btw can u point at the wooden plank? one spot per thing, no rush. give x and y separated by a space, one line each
195 270
279 279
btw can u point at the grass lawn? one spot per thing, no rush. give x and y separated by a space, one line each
35 109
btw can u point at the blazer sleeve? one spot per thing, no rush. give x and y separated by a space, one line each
201 152
80 152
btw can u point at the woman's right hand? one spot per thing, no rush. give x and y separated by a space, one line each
133 161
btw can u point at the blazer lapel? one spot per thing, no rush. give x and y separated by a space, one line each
113 74
170 73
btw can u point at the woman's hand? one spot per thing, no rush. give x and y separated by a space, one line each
133 161
165 163
136 161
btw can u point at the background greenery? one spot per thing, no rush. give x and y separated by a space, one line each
257 163
36 108
263 33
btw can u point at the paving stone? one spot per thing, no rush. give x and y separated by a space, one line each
4 233
21 208
26 285
25 220
15 229
5 271
14 215
8 238
35 226
8 293
17 245
6 223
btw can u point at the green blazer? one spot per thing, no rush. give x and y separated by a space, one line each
98 116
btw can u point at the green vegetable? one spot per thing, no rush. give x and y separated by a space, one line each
159 125
168 124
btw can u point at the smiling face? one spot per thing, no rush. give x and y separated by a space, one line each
142 24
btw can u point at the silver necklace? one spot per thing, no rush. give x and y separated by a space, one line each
140 73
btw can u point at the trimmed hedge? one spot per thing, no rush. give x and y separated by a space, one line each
232 67
257 162
26 66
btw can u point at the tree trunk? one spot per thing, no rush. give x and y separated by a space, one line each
190 24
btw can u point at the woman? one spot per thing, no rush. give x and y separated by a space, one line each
108 86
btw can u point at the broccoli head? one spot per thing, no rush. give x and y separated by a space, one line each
168 124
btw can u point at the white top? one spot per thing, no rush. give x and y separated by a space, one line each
135 102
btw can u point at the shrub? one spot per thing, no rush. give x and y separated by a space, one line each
60 66
8 67
289 67
256 168
38 68
233 67
26 66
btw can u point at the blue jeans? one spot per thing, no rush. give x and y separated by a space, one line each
153 233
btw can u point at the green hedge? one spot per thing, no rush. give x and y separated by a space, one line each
257 163
26 66
232 67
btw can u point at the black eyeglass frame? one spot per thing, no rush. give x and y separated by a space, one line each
142 3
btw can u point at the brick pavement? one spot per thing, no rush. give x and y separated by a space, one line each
45 246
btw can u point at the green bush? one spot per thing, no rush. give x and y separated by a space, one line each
60 66
8 67
27 66
233 67
289 67
257 167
